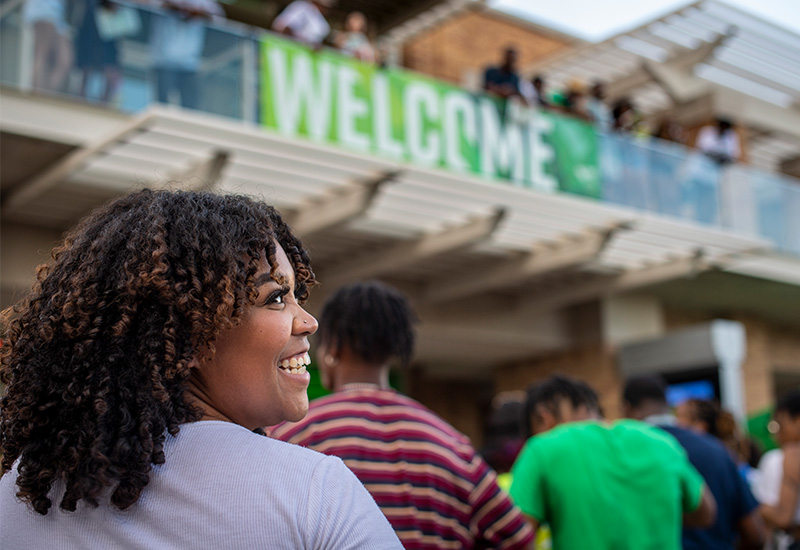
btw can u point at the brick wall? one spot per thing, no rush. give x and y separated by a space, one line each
473 40
595 364
464 404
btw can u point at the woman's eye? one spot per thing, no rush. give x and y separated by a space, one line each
277 298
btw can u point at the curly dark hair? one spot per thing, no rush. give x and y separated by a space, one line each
558 386
789 403
373 320
97 358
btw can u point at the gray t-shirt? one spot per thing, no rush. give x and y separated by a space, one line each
221 486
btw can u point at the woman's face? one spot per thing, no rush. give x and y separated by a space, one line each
258 376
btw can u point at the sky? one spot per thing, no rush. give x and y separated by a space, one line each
595 20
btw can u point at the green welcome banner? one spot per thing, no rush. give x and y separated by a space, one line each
402 115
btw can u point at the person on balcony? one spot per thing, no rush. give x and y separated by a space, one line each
535 92
353 41
435 490
597 108
503 80
305 21
176 47
95 52
52 48
720 142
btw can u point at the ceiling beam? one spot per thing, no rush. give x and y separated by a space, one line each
524 337
70 164
343 205
408 253
584 291
534 263
205 174
547 62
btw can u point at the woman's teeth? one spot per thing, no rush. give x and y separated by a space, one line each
296 365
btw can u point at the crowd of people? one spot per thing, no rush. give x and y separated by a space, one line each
85 35
719 141
156 394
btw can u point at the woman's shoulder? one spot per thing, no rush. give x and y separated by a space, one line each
233 446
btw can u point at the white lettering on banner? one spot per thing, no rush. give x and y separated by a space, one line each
382 118
349 108
421 104
458 104
502 149
295 91
539 154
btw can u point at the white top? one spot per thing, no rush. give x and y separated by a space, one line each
304 20
710 141
177 43
221 486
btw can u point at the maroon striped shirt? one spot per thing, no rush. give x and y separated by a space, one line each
435 490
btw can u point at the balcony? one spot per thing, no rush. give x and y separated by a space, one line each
541 151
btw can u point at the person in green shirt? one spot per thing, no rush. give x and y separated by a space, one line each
600 485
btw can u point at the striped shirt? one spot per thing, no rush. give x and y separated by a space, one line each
427 479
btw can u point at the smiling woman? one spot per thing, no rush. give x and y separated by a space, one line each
167 327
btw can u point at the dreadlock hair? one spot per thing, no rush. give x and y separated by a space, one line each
789 403
550 391
97 357
371 319
645 388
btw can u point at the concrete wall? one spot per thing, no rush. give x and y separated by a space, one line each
593 363
772 350
465 45
22 249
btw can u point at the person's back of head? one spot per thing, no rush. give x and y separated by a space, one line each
643 396
510 58
598 90
789 403
787 415
560 399
723 125
702 415
372 320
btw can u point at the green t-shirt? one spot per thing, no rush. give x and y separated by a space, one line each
617 486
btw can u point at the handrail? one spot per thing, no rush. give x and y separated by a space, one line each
642 173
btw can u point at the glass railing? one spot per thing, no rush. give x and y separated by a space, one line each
659 176
667 178
135 55
760 203
130 56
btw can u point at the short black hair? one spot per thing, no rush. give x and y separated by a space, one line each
645 388
557 387
789 403
373 320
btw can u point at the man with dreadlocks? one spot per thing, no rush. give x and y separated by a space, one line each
425 476
606 486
